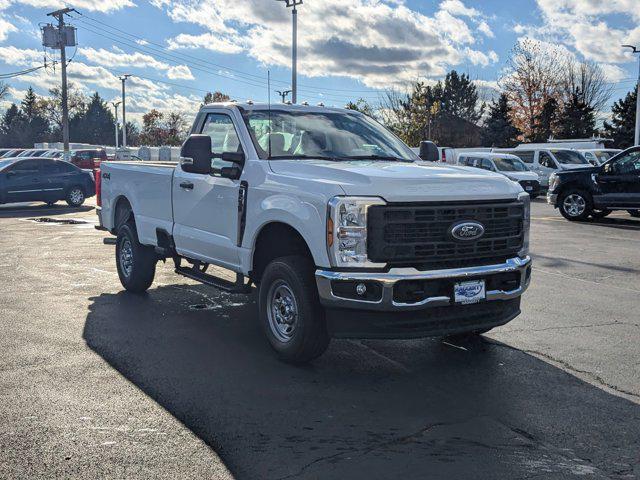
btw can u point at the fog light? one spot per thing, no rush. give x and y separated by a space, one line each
361 289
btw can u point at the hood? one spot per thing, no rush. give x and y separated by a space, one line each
402 181
519 176
584 169
573 166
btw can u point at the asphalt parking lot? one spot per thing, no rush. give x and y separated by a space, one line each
180 383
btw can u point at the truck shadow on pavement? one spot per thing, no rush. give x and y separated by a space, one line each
25 210
366 409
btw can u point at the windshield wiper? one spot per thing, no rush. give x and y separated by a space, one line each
379 157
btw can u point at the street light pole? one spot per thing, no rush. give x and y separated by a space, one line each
115 111
124 112
294 47
636 139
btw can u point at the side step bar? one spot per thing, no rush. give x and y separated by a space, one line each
232 287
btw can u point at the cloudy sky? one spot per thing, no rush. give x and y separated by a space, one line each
177 50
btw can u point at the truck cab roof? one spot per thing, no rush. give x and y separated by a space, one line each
262 106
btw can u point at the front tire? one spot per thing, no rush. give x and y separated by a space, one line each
75 196
136 263
575 205
290 312
634 213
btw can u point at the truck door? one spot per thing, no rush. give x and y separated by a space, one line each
619 182
205 206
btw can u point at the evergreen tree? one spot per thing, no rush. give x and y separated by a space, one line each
546 122
459 97
12 121
93 125
577 119
498 130
36 128
622 127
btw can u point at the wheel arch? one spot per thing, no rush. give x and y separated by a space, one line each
276 239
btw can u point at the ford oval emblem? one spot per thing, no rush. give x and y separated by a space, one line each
465 231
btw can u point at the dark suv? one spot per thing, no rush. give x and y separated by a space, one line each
45 180
597 191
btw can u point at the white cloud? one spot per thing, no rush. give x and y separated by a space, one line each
5 29
456 7
209 41
87 5
484 28
20 57
181 72
381 43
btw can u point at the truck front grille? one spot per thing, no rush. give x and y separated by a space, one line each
417 235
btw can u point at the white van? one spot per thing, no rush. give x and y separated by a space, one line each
546 161
597 156
508 165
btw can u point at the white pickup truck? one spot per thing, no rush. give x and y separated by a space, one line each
344 231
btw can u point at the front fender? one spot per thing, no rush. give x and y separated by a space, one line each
307 217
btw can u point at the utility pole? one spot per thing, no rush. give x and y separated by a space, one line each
283 94
636 140
115 111
124 112
294 47
62 43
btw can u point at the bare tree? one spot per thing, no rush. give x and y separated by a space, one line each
4 90
589 80
534 74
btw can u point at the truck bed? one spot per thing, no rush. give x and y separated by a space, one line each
147 186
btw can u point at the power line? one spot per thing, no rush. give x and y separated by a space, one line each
21 72
240 72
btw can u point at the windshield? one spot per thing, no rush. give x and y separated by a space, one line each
510 165
325 135
604 155
4 163
569 157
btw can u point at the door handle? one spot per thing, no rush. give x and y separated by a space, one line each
186 185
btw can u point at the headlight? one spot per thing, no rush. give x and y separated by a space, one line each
553 181
526 223
347 231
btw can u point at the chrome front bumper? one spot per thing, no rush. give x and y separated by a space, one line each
389 279
552 198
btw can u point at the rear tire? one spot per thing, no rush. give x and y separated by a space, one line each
575 205
634 213
290 312
75 196
136 263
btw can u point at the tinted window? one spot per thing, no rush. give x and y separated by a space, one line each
546 161
627 165
486 164
569 157
49 167
510 165
26 167
65 167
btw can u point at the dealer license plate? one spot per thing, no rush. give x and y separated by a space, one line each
469 292
528 189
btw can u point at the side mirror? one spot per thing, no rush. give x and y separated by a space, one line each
233 157
429 152
196 154
10 174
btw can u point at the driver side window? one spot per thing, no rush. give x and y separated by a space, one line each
224 138
627 165
546 161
